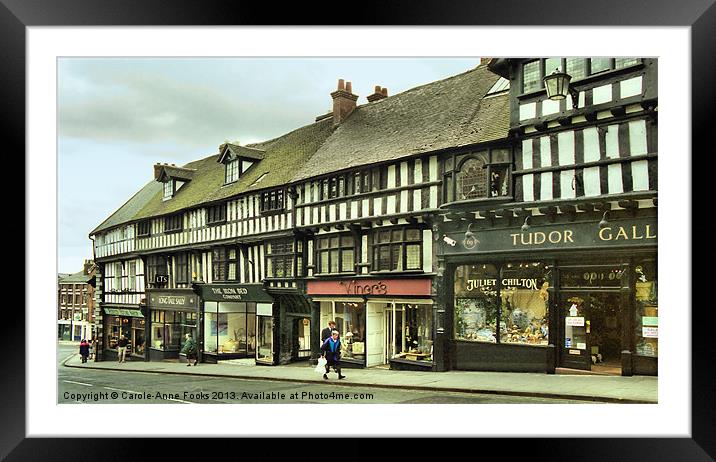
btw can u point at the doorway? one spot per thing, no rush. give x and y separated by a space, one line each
591 323
394 328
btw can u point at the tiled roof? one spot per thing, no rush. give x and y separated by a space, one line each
283 157
442 114
130 208
77 278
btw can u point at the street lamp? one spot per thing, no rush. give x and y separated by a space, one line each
557 86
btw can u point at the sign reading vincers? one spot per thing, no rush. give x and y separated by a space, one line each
371 287
635 232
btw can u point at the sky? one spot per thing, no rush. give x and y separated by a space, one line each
117 117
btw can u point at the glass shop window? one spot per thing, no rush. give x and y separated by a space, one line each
265 339
414 340
646 325
230 328
350 322
476 302
524 302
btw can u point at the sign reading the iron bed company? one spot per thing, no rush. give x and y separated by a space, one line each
235 293
633 232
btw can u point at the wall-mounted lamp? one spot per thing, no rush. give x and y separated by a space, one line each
470 240
526 225
604 223
557 86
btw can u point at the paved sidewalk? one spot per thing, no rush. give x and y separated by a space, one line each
614 389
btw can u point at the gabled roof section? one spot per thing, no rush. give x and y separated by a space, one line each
162 172
233 151
439 115
130 208
283 157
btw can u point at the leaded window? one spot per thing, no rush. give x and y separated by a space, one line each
336 254
232 171
397 250
280 257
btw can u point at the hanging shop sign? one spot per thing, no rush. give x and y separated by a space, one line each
172 299
234 293
390 287
633 232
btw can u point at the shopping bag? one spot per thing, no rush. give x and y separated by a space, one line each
321 366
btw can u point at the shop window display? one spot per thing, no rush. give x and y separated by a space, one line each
230 328
647 309
512 297
166 330
116 326
476 303
524 300
265 339
350 318
137 339
416 342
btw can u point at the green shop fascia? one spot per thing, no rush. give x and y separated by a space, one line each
236 322
562 294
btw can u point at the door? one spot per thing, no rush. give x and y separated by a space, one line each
575 324
591 326
394 329
375 332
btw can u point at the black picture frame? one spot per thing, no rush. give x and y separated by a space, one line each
17 15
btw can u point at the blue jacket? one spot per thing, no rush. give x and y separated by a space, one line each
332 350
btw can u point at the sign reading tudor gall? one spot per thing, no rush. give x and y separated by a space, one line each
410 287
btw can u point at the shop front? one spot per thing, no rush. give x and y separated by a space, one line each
238 322
172 314
381 321
554 296
130 322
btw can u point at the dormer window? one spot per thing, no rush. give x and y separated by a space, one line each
172 178
168 189
237 160
232 171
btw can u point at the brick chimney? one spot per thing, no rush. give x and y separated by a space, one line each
379 93
344 101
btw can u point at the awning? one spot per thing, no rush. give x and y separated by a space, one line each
124 312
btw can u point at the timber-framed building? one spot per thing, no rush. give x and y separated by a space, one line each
470 223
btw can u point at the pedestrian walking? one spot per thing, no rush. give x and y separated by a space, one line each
190 350
122 348
92 346
332 352
326 333
84 350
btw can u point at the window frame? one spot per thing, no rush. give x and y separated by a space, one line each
613 61
232 171
272 201
170 190
287 260
403 242
181 268
340 248
216 214
451 175
174 220
144 228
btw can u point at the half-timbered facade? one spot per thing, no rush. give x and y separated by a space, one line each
549 236
440 228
